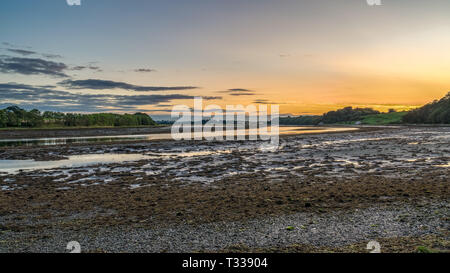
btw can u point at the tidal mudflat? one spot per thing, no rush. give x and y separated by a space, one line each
316 193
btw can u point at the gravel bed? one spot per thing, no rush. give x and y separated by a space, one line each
332 229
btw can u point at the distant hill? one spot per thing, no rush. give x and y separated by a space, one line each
437 112
384 118
300 120
347 115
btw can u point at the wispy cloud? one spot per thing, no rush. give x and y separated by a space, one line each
242 94
96 84
84 67
264 101
144 70
32 66
25 52
21 51
239 92
51 56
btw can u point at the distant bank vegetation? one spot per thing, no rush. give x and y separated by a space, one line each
16 117
437 112
348 115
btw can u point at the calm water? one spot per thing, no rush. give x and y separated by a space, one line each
284 130
75 161
14 166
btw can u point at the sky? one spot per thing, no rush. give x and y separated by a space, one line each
308 56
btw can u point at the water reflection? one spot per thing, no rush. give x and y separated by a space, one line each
14 166
284 130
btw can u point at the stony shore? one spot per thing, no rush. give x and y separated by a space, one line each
317 193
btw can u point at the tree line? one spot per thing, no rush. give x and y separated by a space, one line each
346 114
17 117
437 112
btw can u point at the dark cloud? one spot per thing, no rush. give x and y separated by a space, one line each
49 99
78 68
16 49
103 84
239 92
164 105
28 66
83 67
264 101
242 94
32 66
47 86
51 56
21 51
160 110
96 68
14 45
144 70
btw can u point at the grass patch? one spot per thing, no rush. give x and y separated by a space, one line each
424 249
384 118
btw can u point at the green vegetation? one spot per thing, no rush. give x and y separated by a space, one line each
16 117
347 114
437 112
301 120
423 249
384 118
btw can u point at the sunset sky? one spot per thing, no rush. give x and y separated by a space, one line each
309 56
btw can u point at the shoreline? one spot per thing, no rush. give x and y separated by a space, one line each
35 134
25 133
79 132
60 151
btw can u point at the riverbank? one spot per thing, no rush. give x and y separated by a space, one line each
122 136
80 132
